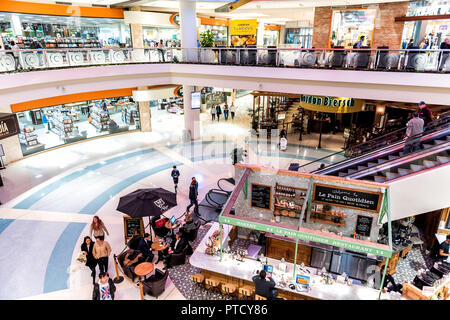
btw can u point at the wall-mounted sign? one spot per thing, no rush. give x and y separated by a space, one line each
260 196
243 32
331 104
195 99
346 197
178 91
175 19
9 126
363 225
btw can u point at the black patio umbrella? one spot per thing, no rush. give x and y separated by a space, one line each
151 202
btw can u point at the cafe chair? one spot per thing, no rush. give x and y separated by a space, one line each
160 231
229 290
213 284
258 297
156 284
177 259
199 280
246 292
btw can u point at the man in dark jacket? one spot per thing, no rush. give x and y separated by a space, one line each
425 114
104 289
145 245
264 287
177 246
193 193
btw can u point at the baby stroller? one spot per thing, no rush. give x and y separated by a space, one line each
283 144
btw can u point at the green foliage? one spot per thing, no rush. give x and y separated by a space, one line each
207 39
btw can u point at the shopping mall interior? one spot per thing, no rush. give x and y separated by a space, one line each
318 134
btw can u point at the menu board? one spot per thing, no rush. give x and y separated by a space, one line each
349 198
363 225
260 196
130 224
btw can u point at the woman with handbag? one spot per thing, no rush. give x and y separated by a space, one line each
97 227
86 249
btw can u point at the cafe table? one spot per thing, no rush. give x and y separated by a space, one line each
142 270
156 245
171 227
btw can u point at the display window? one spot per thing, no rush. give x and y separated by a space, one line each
271 37
170 36
52 126
220 33
347 26
64 32
301 37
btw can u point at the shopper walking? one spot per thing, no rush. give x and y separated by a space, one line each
213 113
193 194
425 114
101 252
161 50
175 175
225 111
97 227
232 110
86 248
218 111
45 121
105 288
14 46
359 44
414 128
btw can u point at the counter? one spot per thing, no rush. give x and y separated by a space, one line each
241 273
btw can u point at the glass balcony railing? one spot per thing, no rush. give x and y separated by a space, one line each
341 59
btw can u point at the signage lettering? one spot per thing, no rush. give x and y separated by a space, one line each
9 125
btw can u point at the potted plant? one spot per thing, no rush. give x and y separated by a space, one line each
207 41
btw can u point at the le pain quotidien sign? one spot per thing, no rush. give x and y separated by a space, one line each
346 197
9 126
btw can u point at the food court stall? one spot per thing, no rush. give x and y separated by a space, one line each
321 235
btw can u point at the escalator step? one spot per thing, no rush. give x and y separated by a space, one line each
382 160
437 141
392 157
391 175
443 159
350 171
342 174
379 179
448 138
429 163
371 164
426 146
362 168
416 167
404 172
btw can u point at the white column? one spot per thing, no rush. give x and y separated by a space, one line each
260 34
191 117
188 25
16 25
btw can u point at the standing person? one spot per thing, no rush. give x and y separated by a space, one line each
414 127
232 110
101 252
161 49
444 248
97 227
410 44
193 193
445 44
175 175
283 133
196 183
86 248
225 111
45 121
213 113
359 44
218 111
14 46
425 113
424 44
104 289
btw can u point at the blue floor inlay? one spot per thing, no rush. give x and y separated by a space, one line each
4 223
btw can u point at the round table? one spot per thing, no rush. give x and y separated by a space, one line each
156 245
142 270
171 227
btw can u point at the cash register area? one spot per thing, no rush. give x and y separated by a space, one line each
53 196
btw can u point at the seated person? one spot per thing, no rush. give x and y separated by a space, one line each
265 287
444 249
145 247
189 224
132 259
387 279
176 246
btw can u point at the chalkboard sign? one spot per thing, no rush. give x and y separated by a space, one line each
349 198
363 225
260 196
131 224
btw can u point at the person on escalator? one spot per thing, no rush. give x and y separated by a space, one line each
425 114
414 128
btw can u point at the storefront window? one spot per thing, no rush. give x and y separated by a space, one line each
170 36
220 33
64 32
271 37
348 26
301 37
48 127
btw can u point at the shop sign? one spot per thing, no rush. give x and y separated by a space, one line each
306 236
9 126
175 19
346 197
243 27
178 92
331 104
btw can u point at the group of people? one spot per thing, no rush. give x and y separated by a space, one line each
35 44
193 189
217 111
416 126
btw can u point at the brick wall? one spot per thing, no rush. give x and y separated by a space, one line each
387 31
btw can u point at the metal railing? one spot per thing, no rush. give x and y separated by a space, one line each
349 59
